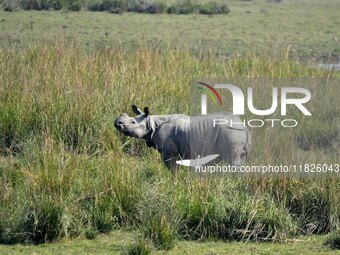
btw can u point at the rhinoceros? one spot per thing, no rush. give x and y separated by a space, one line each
178 136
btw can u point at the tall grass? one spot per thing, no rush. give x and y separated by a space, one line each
65 171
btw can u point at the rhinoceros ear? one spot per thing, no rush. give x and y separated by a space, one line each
146 111
136 110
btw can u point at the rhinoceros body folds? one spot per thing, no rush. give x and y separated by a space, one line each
189 139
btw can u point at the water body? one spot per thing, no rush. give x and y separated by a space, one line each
331 67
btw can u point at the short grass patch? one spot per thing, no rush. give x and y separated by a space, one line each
309 28
119 242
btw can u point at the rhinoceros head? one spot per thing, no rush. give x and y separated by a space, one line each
137 127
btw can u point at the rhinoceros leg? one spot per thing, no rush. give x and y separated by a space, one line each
238 156
169 154
236 161
169 161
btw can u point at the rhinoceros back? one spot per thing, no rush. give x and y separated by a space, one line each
191 137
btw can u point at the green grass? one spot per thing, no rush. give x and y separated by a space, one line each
118 242
65 172
308 27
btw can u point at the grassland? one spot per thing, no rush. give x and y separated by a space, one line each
119 241
307 27
66 174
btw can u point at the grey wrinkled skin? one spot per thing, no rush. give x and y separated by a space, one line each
178 136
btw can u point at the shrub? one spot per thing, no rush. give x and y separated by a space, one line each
142 247
118 6
9 234
333 240
135 6
35 4
155 7
182 7
102 213
42 221
159 219
93 6
314 209
56 4
91 233
235 215
10 5
213 8
73 5
114 6
161 230
7 8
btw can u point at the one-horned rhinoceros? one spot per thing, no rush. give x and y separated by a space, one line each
179 136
